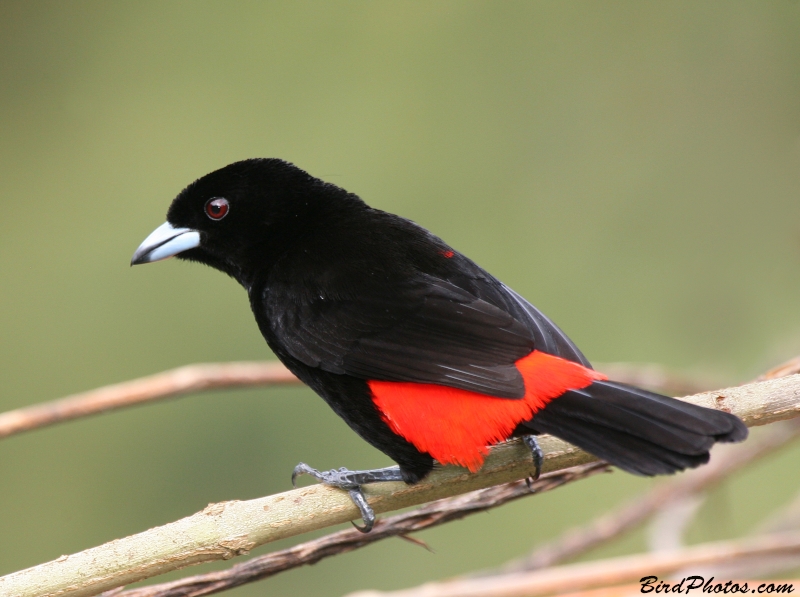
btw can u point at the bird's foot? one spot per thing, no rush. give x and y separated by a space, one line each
538 458
351 481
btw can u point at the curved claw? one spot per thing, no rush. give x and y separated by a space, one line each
302 469
367 514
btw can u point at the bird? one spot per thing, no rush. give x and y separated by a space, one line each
423 353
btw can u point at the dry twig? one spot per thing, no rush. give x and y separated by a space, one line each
183 380
790 367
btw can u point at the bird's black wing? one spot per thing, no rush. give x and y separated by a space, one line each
465 332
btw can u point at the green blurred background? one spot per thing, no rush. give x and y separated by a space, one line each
630 167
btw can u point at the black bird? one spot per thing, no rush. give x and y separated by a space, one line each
424 354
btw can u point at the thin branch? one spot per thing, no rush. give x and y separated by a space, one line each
790 367
311 552
225 530
215 376
604 572
633 513
183 380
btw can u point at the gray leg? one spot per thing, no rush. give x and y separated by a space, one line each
351 481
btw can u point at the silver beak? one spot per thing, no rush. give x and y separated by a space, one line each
165 242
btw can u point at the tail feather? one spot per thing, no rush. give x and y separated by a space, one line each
629 453
594 411
639 431
722 426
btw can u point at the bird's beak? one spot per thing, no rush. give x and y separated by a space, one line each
164 242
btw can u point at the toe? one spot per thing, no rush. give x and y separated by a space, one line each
367 513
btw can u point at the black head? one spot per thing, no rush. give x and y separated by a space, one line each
239 218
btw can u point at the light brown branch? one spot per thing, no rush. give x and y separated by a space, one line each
311 552
222 531
183 380
603 573
790 367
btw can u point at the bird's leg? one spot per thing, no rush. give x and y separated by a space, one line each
538 457
351 481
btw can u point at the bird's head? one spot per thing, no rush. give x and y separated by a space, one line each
239 217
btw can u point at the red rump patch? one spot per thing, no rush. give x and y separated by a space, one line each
457 426
447 254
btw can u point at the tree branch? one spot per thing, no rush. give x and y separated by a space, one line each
228 529
311 552
602 573
790 367
183 380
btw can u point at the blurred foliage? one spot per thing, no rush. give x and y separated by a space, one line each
630 167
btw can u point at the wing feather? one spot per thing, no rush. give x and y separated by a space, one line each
388 312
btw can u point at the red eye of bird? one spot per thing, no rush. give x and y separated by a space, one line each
216 209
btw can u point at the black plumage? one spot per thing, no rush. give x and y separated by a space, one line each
345 294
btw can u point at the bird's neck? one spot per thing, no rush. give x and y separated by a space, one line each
321 220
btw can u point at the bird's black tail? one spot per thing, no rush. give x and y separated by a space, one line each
639 431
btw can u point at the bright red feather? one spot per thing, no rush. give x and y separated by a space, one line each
457 426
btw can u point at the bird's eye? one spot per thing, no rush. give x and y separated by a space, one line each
216 209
